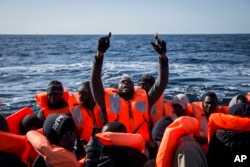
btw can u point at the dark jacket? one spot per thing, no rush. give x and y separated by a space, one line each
118 156
227 147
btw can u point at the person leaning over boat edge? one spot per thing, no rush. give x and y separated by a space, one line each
127 93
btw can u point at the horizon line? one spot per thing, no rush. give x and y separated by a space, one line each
136 34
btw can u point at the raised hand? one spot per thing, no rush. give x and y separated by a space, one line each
159 45
103 43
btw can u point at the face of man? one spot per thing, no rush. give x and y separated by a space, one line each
67 140
126 87
54 97
84 95
145 85
209 104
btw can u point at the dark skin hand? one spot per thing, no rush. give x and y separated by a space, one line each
105 40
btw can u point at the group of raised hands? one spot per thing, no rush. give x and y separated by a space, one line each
159 45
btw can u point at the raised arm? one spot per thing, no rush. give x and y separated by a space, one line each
163 72
96 85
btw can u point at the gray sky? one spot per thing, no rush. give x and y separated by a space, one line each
124 16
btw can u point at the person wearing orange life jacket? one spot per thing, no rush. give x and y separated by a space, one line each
176 107
177 147
229 136
9 157
56 146
84 111
146 81
59 130
202 110
128 104
54 100
22 121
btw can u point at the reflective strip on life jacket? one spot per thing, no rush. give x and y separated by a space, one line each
157 111
14 120
227 122
135 141
84 118
181 126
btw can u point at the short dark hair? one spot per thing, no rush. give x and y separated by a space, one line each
210 94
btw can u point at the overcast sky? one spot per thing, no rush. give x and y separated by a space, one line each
124 16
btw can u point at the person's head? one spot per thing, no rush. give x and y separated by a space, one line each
30 122
114 126
180 102
241 99
126 88
55 92
209 102
146 81
3 124
240 109
85 95
60 130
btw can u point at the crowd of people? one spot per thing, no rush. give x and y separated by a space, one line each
126 124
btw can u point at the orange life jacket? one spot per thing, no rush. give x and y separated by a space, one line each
189 110
54 156
17 145
156 111
227 122
181 126
84 119
133 113
135 141
199 113
42 101
168 109
14 120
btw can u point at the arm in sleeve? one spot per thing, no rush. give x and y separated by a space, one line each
161 82
96 83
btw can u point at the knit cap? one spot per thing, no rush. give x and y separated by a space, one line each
56 125
55 87
147 78
182 100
